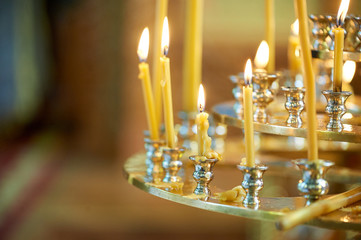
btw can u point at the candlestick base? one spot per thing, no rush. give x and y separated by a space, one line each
335 108
153 160
252 183
294 105
262 95
203 174
313 185
237 91
172 164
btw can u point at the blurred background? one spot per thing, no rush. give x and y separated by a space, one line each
71 113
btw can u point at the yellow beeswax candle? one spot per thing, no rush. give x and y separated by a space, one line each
248 115
167 88
309 79
160 13
294 58
192 59
262 56
270 34
204 141
143 49
338 47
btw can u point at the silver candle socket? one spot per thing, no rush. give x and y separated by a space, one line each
313 185
153 160
335 108
203 173
172 164
262 95
237 91
186 130
294 105
252 183
320 31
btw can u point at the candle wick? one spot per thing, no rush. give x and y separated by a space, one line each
165 50
201 108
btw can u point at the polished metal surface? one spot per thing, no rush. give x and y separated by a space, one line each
203 173
313 184
294 105
336 108
154 160
321 54
172 164
278 196
277 125
252 184
262 95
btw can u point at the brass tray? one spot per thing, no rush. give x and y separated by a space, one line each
279 193
224 113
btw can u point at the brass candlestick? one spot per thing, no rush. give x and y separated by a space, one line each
252 183
153 160
262 95
203 173
172 164
313 185
335 108
294 105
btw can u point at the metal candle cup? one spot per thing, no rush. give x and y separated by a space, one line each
203 173
335 108
172 164
294 105
153 159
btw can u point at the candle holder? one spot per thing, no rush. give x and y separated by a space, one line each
320 31
153 160
294 105
252 183
262 95
237 91
187 129
313 185
358 34
203 174
172 164
335 108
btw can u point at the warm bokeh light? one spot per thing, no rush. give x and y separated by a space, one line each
262 55
201 98
165 37
298 52
342 12
295 28
349 69
143 46
248 72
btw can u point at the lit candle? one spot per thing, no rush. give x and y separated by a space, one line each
143 49
248 115
270 34
204 141
339 44
167 88
309 79
262 56
192 60
160 13
293 53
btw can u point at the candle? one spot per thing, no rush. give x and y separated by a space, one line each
248 115
160 13
339 44
293 53
309 79
262 56
204 141
167 88
143 49
270 34
192 61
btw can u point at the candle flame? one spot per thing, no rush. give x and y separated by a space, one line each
342 12
165 37
248 72
143 46
201 98
262 55
348 71
295 28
